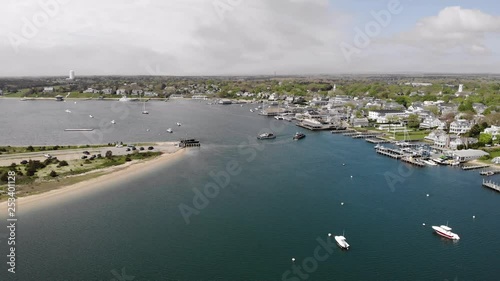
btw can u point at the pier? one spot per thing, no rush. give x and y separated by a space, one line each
78 130
489 173
390 152
377 140
322 127
365 136
474 167
492 185
189 143
343 131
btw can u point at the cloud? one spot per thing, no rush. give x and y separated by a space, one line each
454 27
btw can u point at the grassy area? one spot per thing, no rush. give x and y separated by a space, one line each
27 149
64 174
417 135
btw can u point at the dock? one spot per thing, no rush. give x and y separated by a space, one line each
323 127
189 143
78 130
377 140
474 167
390 152
365 136
489 173
412 161
343 131
492 185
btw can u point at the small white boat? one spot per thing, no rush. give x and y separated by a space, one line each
266 136
179 124
169 130
113 122
341 241
67 111
145 112
445 231
251 110
91 116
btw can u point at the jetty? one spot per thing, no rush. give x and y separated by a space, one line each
343 131
365 135
474 167
377 140
492 185
311 127
189 143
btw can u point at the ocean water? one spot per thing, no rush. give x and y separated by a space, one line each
276 199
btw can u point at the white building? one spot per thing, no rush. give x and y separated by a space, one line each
460 127
469 154
460 88
71 75
431 123
493 130
48 89
384 116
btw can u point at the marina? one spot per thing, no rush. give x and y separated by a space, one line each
489 173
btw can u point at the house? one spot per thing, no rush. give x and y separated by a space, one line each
150 94
439 138
460 126
360 122
469 155
48 89
479 107
137 92
446 108
121 92
384 116
493 131
432 123
91 91
107 91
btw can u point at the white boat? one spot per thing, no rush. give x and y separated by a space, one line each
445 231
266 136
429 162
68 111
113 122
251 110
179 124
341 241
91 116
169 130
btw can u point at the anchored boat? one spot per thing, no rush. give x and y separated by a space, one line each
445 231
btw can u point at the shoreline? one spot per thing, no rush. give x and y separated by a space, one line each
105 177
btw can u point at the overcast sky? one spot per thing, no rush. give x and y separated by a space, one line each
247 37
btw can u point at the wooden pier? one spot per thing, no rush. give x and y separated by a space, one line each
189 143
378 141
492 185
474 167
390 152
323 127
343 131
365 136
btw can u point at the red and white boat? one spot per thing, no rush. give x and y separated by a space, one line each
445 231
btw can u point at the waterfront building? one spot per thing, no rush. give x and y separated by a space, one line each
384 116
432 123
460 126
469 155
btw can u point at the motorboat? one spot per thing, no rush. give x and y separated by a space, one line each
179 124
266 136
445 231
341 242
113 122
429 162
298 136
169 130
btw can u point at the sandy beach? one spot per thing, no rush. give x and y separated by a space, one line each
104 177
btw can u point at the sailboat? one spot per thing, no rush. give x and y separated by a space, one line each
144 111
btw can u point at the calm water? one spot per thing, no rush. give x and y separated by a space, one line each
287 195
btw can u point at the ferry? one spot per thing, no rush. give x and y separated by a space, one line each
298 136
445 231
341 241
266 136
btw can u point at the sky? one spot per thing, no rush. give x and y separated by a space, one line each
248 37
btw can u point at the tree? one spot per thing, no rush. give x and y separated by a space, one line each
486 139
30 148
109 154
63 163
53 174
475 131
413 121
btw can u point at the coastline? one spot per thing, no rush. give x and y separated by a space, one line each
104 177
